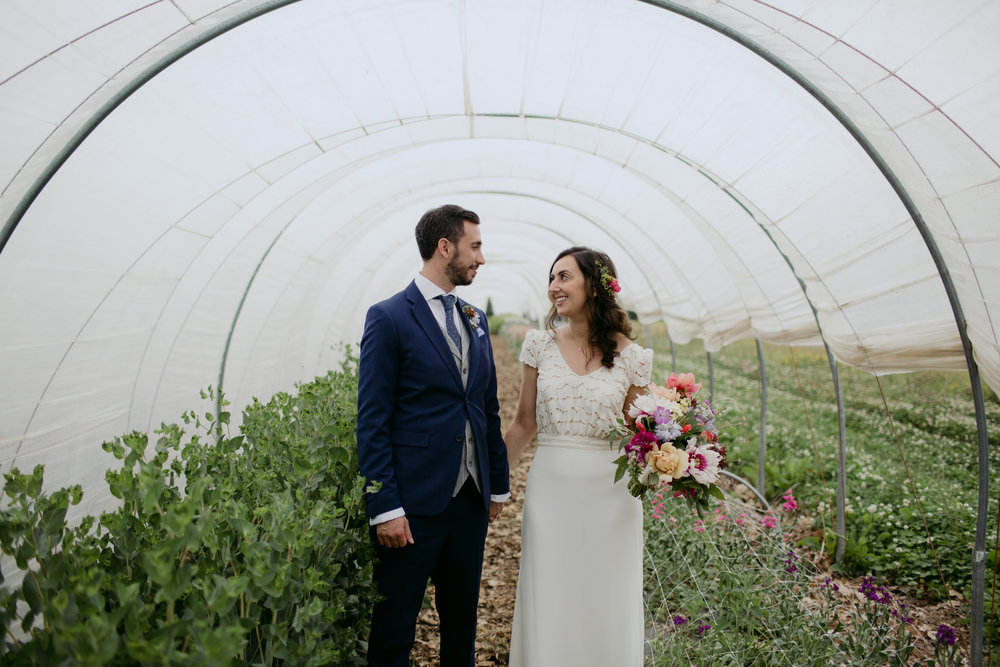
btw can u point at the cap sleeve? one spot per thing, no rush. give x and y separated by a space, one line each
638 364
531 348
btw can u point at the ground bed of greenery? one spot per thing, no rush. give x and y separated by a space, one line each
253 549
911 478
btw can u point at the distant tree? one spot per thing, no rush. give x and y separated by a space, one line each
489 307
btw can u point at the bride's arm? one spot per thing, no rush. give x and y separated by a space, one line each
524 425
633 392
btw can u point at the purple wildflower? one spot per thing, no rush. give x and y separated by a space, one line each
877 594
790 559
946 635
702 629
868 588
828 583
680 620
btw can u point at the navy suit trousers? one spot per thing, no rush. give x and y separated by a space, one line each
448 550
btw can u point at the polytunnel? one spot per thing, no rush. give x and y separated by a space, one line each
211 192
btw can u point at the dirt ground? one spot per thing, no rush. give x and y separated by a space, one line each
503 552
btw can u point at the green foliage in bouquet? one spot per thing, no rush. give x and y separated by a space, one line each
246 550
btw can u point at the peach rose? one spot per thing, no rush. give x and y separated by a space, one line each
668 461
669 394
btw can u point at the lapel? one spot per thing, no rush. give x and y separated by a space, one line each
422 314
473 341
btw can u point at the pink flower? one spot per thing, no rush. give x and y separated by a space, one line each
789 505
769 521
671 394
641 444
685 382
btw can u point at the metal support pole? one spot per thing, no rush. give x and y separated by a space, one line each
841 461
673 353
979 550
711 377
762 442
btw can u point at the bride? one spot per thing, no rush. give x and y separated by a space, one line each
579 592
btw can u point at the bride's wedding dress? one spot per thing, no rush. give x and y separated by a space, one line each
579 592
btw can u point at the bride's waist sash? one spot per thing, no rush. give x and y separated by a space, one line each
573 442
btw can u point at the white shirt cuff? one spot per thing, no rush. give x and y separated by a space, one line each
502 498
388 516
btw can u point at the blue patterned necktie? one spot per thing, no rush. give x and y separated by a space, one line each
449 319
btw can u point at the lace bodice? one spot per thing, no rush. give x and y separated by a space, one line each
581 405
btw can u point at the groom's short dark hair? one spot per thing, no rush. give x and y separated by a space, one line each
444 222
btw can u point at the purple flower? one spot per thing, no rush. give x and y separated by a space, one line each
877 594
828 583
790 559
868 588
702 629
680 620
661 415
668 432
946 635
640 443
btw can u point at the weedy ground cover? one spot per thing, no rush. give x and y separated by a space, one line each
731 589
909 476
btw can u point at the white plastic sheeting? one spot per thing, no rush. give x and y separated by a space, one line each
235 215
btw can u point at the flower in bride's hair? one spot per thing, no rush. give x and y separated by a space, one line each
609 281
668 461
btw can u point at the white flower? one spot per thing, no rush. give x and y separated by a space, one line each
644 475
647 404
703 462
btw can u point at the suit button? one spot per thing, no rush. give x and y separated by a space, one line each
458 438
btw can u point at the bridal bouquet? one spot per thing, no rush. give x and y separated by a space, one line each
674 441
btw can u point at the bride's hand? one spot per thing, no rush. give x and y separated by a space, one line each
495 510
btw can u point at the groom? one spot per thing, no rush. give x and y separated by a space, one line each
429 434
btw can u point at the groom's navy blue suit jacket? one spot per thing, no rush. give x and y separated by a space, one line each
412 408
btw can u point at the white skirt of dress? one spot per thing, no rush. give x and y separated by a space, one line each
579 591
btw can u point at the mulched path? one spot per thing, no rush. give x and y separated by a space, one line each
503 552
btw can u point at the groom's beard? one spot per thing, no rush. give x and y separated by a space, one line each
458 273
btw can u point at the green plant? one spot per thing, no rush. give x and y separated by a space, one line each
729 590
932 418
250 549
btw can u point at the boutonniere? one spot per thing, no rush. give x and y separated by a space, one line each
473 316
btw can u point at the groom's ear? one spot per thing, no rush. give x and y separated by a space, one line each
444 247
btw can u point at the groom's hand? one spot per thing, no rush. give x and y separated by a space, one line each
495 509
394 533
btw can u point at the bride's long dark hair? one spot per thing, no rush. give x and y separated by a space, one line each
606 317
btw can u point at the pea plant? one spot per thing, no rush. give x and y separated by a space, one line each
250 549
